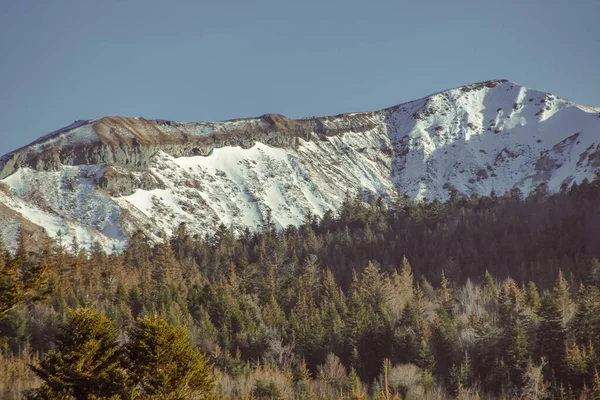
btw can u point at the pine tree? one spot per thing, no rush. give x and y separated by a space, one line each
551 335
166 270
517 352
138 250
586 323
401 289
510 303
303 381
331 292
333 326
386 393
596 386
487 347
21 282
593 277
406 281
274 316
368 326
463 375
562 296
579 364
370 287
488 286
163 363
425 357
307 332
532 297
445 296
87 362
443 336
355 386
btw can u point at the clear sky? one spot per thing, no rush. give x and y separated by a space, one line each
211 60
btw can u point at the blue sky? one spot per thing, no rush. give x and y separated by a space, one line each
212 60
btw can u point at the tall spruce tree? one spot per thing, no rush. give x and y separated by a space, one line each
164 365
21 282
551 336
87 363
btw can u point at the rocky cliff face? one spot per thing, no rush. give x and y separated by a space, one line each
132 142
100 180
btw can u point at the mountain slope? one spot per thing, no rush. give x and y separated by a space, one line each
100 180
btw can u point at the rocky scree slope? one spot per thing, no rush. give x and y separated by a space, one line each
100 180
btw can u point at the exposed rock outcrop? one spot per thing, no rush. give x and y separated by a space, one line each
132 142
99 180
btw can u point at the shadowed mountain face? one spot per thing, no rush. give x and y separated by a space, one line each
100 180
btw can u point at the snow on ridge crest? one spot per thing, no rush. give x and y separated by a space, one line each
106 178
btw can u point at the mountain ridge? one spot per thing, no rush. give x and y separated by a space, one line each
274 118
100 180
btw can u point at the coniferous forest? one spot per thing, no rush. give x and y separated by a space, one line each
473 298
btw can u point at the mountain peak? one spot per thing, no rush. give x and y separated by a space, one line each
492 83
99 180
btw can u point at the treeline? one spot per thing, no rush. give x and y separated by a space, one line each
499 299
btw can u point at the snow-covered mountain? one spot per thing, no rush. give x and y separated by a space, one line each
101 180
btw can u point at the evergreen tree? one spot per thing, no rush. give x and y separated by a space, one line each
562 296
445 296
487 348
517 351
369 328
163 363
307 332
443 337
424 354
401 291
593 276
551 335
21 282
488 285
333 327
138 250
586 323
532 297
166 270
303 379
87 362
462 376
355 387
596 386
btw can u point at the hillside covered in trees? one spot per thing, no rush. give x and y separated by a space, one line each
480 297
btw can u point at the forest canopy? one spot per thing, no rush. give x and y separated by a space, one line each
494 296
